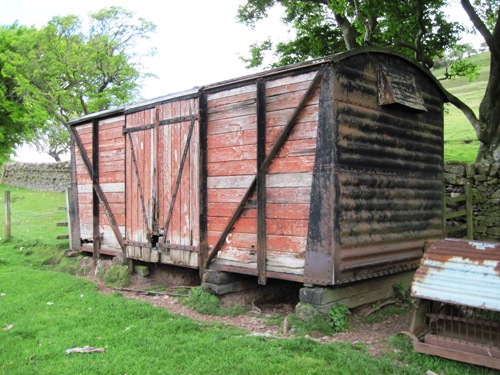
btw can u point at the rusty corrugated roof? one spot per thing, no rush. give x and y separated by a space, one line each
462 272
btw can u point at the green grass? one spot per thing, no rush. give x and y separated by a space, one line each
460 141
208 304
44 312
34 215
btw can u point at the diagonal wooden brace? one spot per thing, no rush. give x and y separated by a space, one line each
267 162
98 189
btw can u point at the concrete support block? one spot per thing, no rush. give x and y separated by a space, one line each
221 289
220 277
141 270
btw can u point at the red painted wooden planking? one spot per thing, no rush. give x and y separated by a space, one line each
232 168
289 100
232 153
238 138
292 163
279 227
225 195
273 210
247 241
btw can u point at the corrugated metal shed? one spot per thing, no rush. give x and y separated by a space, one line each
461 272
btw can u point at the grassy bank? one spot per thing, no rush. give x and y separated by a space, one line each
44 312
460 141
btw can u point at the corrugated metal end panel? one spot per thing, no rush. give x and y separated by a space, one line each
389 167
460 272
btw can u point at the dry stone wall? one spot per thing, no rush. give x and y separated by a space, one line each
37 176
485 187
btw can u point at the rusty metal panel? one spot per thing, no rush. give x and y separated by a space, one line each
461 272
388 166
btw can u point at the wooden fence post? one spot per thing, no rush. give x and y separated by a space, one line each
468 208
7 215
68 215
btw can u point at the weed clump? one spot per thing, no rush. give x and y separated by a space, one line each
115 276
307 320
403 294
74 266
208 304
339 317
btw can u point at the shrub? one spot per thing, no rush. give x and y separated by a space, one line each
403 293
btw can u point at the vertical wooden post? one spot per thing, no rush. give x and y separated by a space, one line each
70 224
261 182
95 198
202 184
7 215
72 205
468 210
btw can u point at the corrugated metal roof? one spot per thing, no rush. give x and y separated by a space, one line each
461 272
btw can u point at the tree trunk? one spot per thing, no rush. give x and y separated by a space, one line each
348 31
55 156
489 114
489 109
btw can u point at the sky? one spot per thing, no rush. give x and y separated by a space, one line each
198 42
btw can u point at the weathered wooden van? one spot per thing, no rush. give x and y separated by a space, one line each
324 173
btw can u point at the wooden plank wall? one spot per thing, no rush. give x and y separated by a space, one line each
183 228
84 183
111 178
139 179
231 166
290 174
232 154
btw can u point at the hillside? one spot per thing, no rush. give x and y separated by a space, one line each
460 142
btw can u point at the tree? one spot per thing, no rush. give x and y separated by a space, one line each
417 28
14 127
66 70
486 19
